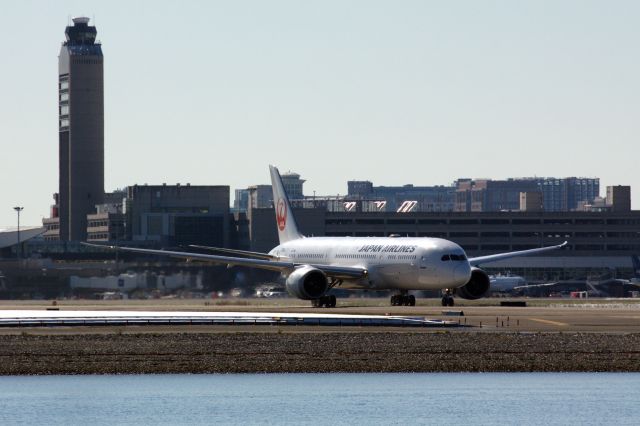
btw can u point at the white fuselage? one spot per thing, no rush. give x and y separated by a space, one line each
503 284
391 262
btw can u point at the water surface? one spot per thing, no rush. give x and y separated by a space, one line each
353 399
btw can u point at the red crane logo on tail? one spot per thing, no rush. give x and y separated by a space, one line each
281 214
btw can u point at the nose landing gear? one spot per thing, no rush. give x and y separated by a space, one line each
447 298
403 299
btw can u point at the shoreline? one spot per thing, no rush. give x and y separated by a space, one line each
38 352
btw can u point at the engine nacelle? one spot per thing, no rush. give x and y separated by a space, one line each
477 286
307 283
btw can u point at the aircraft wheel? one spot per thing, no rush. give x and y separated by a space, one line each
332 301
450 301
445 302
412 300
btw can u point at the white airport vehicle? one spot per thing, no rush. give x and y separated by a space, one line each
312 266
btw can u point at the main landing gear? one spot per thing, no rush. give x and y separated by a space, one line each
403 299
328 301
447 298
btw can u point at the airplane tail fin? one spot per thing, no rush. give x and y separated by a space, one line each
636 266
287 228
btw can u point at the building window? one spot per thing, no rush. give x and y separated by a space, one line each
463 221
494 234
463 234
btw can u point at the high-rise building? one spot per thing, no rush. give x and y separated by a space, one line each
558 194
486 195
619 198
421 198
531 202
260 196
241 202
81 129
566 194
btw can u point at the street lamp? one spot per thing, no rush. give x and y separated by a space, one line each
18 210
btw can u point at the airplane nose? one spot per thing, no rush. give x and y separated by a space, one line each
462 274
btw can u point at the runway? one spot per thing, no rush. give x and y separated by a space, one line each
540 315
53 317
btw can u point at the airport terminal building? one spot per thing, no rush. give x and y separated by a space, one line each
598 242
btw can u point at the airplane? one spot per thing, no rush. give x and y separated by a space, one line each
505 283
607 287
313 266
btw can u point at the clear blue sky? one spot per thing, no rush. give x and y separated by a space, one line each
395 92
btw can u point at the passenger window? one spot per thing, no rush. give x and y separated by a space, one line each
445 257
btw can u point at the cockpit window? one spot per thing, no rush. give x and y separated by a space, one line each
456 257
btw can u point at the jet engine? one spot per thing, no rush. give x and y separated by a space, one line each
307 283
477 286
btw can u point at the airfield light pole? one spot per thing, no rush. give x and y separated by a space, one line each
18 210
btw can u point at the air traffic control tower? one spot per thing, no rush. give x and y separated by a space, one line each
81 128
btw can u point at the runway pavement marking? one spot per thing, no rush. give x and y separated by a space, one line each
561 324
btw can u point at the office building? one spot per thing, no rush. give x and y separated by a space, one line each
568 194
260 196
558 194
486 195
417 198
178 215
531 202
241 200
108 222
619 198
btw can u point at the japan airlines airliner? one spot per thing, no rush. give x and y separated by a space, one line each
313 266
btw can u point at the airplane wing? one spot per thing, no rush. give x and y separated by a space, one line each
255 254
476 261
343 272
524 287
